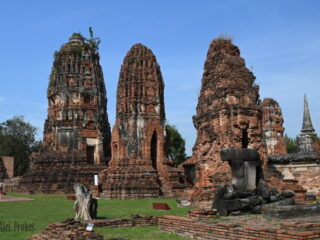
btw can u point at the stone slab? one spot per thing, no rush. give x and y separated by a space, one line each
293 211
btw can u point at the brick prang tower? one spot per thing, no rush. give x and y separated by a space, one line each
76 142
77 122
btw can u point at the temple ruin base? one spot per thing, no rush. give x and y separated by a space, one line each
54 179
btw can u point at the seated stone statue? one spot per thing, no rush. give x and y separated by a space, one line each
248 191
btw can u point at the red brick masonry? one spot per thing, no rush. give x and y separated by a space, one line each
70 229
186 227
221 230
160 206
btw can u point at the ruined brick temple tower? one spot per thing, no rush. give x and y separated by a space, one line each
76 141
139 167
228 114
140 122
272 123
77 122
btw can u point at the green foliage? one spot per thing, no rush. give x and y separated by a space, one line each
291 144
76 49
315 138
52 77
46 209
175 145
91 32
17 139
93 42
225 36
137 233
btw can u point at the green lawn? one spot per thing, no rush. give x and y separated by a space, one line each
137 233
45 210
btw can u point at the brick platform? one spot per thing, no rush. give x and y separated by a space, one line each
70 229
192 228
202 213
234 231
135 221
54 179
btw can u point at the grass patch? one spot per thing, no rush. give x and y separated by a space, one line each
46 209
137 233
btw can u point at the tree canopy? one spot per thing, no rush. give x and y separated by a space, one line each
17 139
175 145
291 144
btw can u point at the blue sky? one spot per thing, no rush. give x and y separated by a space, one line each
279 39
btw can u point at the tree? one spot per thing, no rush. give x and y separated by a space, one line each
175 145
17 139
291 144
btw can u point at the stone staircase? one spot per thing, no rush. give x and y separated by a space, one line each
130 183
135 180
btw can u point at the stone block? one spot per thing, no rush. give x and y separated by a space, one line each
287 193
262 189
239 154
292 211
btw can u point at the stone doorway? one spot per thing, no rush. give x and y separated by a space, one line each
190 173
153 150
90 154
245 138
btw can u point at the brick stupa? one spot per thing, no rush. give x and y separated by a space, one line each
272 123
307 138
76 132
228 115
139 167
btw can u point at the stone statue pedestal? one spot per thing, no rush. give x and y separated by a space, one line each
245 166
248 192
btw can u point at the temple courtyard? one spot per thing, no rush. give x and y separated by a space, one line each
176 121
46 209
138 220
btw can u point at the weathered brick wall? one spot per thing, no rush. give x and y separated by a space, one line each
134 221
53 179
306 175
220 230
70 229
